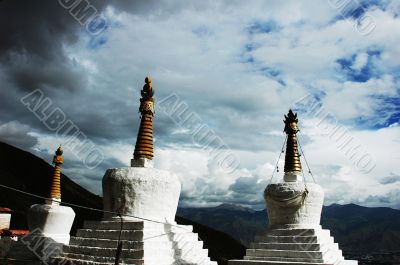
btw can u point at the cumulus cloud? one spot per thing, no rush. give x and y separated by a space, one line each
392 178
238 65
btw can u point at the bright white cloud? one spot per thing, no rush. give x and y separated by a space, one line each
240 66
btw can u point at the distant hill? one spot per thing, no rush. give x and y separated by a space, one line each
356 228
240 222
359 228
25 171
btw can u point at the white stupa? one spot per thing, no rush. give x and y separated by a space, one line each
49 226
295 235
147 199
52 220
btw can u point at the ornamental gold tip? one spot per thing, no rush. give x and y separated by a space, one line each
55 191
292 156
144 143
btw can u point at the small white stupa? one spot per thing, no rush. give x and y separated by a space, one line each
295 235
52 220
146 198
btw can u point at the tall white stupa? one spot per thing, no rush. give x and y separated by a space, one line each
144 231
294 206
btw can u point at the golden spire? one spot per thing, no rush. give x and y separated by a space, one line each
292 157
55 192
144 142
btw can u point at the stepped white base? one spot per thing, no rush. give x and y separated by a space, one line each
285 246
144 243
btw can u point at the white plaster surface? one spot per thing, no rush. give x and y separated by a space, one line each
5 219
142 162
292 176
52 221
306 215
143 192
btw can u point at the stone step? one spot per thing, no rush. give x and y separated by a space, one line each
106 260
136 225
138 245
287 246
295 246
321 235
111 234
132 235
284 253
263 262
181 247
331 257
69 261
178 257
59 261
104 252
283 259
287 239
297 232
105 243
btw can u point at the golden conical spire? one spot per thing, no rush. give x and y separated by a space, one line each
144 142
292 157
55 192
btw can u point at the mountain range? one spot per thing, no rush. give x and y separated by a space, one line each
355 227
226 229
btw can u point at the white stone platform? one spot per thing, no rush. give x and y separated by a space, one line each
144 243
294 246
295 236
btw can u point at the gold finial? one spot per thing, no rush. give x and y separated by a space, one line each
55 192
147 91
144 142
59 151
292 157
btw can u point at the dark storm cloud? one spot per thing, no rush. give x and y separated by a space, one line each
31 47
16 134
32 56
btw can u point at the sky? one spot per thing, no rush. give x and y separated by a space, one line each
224 73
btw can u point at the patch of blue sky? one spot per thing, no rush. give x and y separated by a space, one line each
386 115
367 72
246 56
314 99
97 42
354 9
268 71
98 24
259 27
